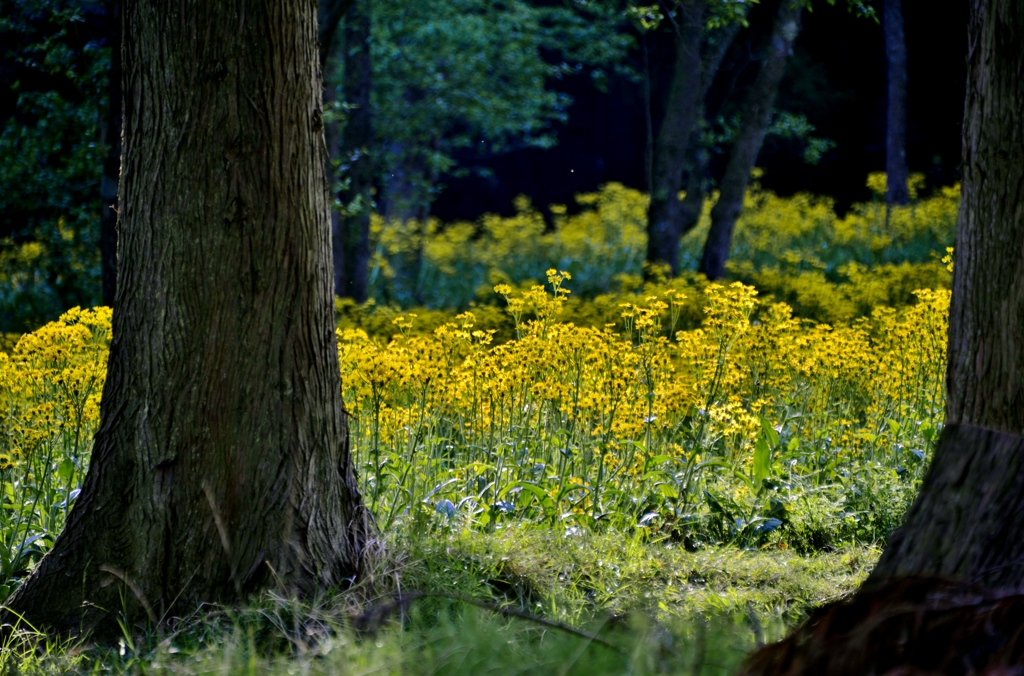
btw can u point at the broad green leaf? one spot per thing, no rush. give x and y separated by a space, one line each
762 461
770 435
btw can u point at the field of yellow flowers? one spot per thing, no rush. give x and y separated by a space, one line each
703 413
828 267
754 428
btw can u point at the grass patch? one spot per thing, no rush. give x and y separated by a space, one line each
649 607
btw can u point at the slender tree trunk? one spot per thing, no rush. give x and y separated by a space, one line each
335 165
681 112
693 204
896 127
112 164
222 463
406 190
648 120
966 521
756 116
352 227
699 156
328 14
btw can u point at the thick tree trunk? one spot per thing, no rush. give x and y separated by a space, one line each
754 121
352 228
112 164
937 601
966 521
681 110
896 120
222 462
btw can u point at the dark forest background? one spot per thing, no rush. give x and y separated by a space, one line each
58 159
837 79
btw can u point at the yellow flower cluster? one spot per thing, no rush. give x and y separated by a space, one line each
50 387
583 422
629 423
828 267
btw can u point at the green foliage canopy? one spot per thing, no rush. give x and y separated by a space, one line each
53 98
469 79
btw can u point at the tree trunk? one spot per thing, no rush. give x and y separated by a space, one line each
698 155
896 121
929 605
112 164
681 112
328 14
756 117
222 463
407 185
648 120
352 226
966 520
693 203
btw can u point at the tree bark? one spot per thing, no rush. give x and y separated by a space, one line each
966 522
945 594
754 121
896 119
222 463
112 163
699 156
352 226
681 112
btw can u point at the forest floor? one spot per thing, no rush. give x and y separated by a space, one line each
519 600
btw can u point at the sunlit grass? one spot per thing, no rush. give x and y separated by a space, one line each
649 607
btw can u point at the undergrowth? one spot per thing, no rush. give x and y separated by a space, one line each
516 600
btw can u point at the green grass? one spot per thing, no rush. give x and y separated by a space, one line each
638 607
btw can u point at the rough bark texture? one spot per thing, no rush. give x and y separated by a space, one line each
920 626
945 595
352 229
985 375
681 110
222 462
754 121
972 496
112 163
966 520
896 120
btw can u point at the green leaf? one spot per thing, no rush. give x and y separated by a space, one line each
542 496
668 490
770 435
762 461
927 431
